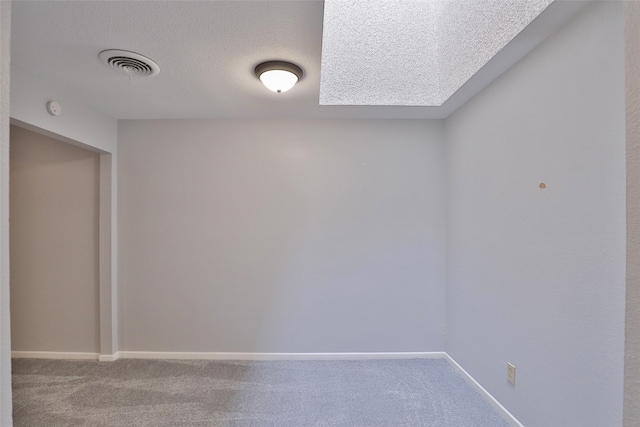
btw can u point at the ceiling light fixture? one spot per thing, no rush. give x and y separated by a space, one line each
278 76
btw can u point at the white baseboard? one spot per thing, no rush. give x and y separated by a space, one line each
54 355
109 357
506 415
276 356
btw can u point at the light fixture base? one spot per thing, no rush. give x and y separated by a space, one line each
279 65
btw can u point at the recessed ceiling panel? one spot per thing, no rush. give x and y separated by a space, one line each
413 52
377 52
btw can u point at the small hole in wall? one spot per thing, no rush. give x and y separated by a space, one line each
543 185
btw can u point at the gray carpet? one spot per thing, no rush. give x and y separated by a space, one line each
242 394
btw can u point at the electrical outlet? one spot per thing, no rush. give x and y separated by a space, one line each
511 373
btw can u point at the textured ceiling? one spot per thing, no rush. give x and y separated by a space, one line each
207 50
380 52
470 33
413 52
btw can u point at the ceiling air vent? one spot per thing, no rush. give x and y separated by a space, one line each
129 63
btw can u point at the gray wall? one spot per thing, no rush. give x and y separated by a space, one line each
54 245
632 344
536 276
5 330
281 236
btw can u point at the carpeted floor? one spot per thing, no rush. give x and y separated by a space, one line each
389 393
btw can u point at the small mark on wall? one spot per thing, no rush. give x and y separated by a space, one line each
543 185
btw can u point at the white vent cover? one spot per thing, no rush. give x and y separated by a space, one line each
129 63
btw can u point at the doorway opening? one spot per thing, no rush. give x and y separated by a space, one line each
56 225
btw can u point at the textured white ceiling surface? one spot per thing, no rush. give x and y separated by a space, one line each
470 33
414 52
377 55
377 52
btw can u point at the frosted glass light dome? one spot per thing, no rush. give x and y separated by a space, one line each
278 76
278 80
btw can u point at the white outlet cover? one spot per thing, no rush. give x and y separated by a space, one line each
511 373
